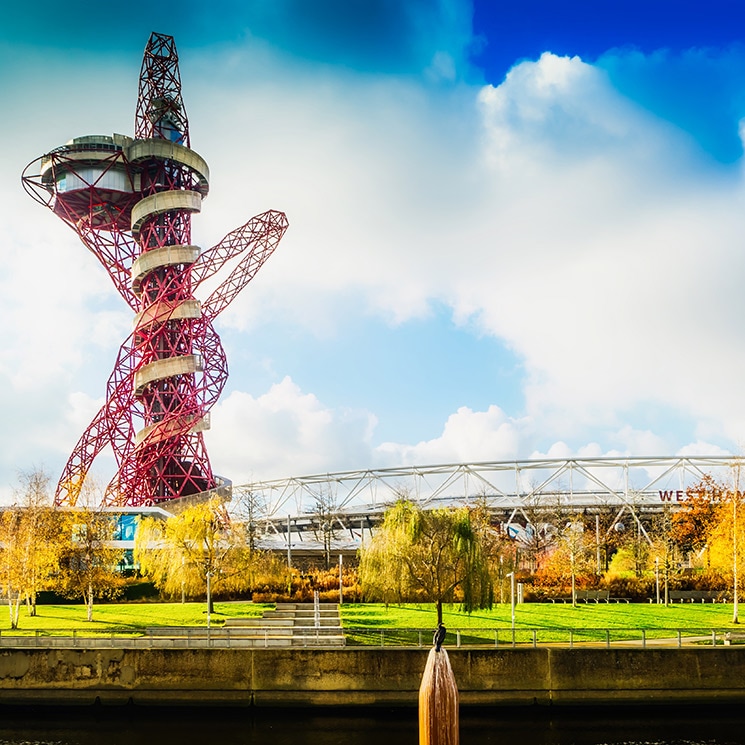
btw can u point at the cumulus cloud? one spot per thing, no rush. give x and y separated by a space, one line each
467 436
283 432
590 236
621 290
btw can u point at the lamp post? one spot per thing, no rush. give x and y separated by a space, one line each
657 577
209 599
511 575
735 500
501 580
289 544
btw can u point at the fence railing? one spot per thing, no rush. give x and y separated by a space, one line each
311 636
527 637
177 636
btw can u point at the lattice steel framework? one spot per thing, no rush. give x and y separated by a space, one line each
511 487
130 201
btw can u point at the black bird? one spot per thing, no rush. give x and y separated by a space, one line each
439 636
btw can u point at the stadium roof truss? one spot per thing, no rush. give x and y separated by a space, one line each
628 483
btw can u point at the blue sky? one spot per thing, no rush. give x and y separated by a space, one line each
515 229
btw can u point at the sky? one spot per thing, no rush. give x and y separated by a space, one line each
516 229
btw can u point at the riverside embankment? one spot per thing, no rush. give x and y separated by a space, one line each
369 677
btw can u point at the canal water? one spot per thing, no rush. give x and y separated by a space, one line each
526 726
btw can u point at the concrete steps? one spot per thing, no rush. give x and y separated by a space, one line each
290 624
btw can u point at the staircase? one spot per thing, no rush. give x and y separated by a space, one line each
290 624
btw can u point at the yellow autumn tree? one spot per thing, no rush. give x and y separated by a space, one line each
722 538
13 567
727 534
571 557
89 561
200 551
29 543
42 532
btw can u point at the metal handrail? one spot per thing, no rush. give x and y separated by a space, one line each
507 637
351 637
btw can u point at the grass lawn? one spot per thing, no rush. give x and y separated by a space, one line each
550 622
373 623
546 615
126 617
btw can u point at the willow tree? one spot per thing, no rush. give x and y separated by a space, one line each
435 554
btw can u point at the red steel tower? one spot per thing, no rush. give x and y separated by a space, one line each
130 201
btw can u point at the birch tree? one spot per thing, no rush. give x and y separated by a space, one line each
29 543
41 532
14 571
89 562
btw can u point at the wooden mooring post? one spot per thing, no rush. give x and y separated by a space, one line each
438 701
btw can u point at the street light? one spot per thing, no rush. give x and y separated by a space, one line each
209 600
735 500
657 576
511 575
501 580
289 544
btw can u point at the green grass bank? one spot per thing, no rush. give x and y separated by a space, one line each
588 620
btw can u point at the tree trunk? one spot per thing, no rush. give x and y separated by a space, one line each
439 611
210 605
89 602
13 617
15 610
574 590
31 597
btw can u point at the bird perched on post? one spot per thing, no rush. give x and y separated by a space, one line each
439 636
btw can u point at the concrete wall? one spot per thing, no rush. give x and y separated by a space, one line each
368 677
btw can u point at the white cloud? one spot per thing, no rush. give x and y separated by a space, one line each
621 285
643 442
467 436
703 448
591 237
285 432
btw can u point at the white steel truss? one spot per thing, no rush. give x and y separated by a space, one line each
512 486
